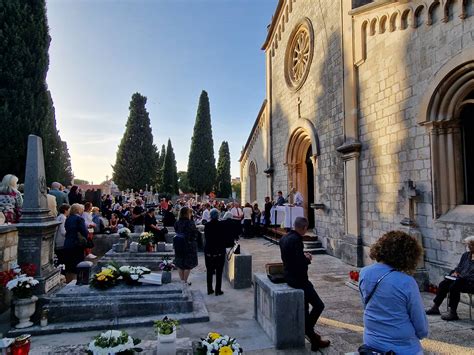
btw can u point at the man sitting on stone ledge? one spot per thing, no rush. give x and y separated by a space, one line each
295 262
460 280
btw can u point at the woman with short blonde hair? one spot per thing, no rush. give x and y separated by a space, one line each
11 200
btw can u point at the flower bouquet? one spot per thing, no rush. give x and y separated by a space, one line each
216 343
131 274
167 265
146 238
113 342
22 286
166 329
104 279
124 233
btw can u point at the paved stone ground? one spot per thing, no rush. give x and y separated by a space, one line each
232 314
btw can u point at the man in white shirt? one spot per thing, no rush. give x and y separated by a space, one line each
206 214
237 213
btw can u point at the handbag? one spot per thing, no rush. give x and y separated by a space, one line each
367 350
234 250
81 241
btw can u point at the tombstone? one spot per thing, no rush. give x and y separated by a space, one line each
37 227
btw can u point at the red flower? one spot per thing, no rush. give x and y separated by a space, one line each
28 269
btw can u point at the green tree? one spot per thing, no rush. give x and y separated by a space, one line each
237 188
202 164
135 165
169 171
159 168
183 182
81 182
26 106
223 180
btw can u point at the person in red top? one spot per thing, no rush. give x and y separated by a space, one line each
163 205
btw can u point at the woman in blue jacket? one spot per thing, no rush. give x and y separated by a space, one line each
73 245
394 316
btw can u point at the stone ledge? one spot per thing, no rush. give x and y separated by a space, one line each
8 228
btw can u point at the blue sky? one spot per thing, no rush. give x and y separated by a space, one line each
102 51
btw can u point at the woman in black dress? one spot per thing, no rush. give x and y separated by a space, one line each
185 244
73 246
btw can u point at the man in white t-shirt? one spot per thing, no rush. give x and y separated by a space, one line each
298 199
206 214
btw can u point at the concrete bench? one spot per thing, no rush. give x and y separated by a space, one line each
238 270
279 309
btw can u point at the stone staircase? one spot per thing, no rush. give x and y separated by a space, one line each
312 244
82 308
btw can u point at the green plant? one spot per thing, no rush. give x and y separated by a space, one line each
166 325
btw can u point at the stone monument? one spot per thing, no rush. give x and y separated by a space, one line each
37 228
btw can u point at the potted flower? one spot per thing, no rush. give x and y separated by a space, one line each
104 279
216 343
166 329
124 233
113 342
131 274
166 266
146 239
25 303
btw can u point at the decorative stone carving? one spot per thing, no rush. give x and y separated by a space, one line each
299 54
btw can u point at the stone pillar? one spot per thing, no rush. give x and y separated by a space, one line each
37 228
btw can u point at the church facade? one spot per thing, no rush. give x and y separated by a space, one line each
369 113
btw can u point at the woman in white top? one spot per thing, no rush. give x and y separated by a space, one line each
87 215
248 220
61 233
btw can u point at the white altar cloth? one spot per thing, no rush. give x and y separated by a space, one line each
285 215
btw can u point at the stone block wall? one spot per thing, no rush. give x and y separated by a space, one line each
321 103
400 64
8 254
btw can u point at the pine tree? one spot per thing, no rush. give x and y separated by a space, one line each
159 168
26 106
201 164
169 171
223 179
136 155
183 182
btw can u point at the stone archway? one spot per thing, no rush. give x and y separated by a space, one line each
301 155
252 182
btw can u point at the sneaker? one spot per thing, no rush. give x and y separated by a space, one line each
90 257
449 316
432 311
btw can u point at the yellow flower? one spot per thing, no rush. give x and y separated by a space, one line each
225 350
101 278
214 336
107 272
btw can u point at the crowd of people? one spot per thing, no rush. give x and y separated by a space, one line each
394 317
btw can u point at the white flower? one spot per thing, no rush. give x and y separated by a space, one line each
134 277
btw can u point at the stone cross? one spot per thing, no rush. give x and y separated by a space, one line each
411 197
299 107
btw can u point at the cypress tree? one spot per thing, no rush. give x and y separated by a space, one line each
25 102
159 168
183 183
223 178
201 164
135 165
170 171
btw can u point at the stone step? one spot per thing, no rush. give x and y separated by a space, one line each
81 303
315 251
313 245
198 314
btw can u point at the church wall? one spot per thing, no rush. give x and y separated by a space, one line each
256 154
321 104
393 79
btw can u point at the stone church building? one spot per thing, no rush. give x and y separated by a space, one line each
369 113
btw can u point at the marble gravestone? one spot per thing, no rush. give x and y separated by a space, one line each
37 228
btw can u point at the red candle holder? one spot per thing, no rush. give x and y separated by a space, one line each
22 345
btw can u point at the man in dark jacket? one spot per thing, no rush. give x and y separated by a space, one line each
295 262
214 252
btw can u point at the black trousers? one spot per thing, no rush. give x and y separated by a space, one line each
214 265
454 288
312 298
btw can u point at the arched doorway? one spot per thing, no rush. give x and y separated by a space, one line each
301 160
252 182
